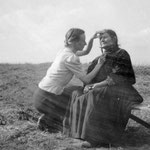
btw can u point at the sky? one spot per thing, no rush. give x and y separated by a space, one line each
32 31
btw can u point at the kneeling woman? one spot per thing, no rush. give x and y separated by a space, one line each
50 98
99 115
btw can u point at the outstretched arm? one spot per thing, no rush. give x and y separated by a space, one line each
88 47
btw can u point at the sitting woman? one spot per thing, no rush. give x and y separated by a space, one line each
99 113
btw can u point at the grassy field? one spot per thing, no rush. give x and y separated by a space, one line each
18 130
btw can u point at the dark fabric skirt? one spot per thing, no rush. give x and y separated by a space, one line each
51 105
100 116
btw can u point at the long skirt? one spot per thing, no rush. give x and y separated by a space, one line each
100 116
52 106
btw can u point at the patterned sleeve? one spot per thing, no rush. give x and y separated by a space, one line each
122 72
74 65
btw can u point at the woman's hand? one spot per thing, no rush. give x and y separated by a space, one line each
95 86
101 60
87 88
96 35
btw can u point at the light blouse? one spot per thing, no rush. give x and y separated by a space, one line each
64 67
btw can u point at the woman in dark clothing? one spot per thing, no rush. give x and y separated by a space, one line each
99 113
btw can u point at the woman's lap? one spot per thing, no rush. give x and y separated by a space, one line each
95 116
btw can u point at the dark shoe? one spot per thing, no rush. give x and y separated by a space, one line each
41 124
46 124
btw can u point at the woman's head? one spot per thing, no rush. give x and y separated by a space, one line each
75 37
108 38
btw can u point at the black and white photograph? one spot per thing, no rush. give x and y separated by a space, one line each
74 75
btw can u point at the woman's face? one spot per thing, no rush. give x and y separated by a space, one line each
79 45
106 40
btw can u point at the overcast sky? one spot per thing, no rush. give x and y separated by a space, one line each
33 30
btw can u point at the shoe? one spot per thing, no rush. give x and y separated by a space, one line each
41 124
81 144
46 124
86 144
